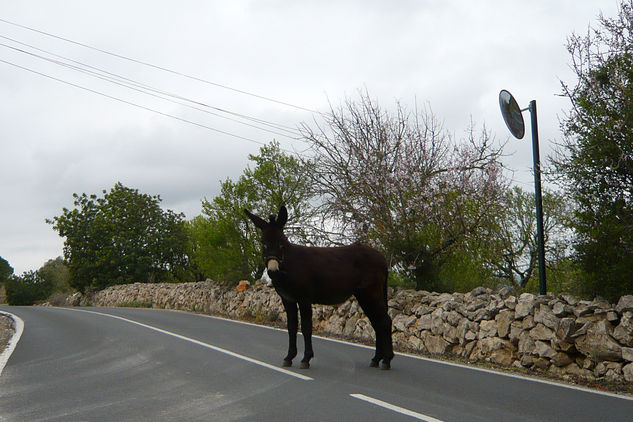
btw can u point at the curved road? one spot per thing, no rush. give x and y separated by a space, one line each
113 364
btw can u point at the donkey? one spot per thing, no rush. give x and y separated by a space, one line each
304 275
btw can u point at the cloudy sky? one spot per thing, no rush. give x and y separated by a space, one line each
64 131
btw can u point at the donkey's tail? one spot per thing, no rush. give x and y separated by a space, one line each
385 287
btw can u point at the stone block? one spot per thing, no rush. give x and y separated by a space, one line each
467 330
527 361
422 310
450 334
541 363
504 319
350 326
613 317
571 300
478 291
624 331
627 371
494 349
436 344
510 302
526 343
525 306
545 316
528 322
476 305
625 304
563 346
505 292
541 332
561 359
424 323
598 344
453 318
544 350
415 343
574 369
561 309
516 329
403 322
479 315
567 327
487 329
583 309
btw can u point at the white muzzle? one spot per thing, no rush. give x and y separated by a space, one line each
273 265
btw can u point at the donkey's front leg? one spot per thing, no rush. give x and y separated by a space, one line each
306 330
293 326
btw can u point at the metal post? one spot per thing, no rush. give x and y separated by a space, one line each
539 200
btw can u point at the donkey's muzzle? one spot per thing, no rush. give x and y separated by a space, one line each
272 264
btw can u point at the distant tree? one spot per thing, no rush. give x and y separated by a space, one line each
225 245
122 237
595 159
5 270
399 181
56 274
27 289
512 242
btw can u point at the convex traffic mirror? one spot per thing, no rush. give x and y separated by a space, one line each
511 114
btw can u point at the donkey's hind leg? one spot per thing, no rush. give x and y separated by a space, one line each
293 327
376 310
384 324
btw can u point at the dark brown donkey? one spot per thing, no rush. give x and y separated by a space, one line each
305 275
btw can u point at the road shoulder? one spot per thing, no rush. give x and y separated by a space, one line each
11 328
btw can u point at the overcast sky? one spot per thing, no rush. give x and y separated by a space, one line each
57 139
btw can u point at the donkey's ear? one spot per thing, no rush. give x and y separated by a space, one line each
259 222
282 217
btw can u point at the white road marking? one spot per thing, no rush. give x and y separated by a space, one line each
444 362
200 343
19 329
395 408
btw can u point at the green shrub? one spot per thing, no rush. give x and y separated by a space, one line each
27 289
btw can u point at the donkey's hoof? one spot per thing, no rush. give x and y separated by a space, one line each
374 363
305 365
287 363
386 365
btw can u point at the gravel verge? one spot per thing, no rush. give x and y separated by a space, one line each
6 331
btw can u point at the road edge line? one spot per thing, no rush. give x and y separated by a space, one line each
200 343
13 342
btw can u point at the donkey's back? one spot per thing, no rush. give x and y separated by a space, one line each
330 275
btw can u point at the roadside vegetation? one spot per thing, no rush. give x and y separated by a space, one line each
440 207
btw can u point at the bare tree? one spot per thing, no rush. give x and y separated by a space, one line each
398 180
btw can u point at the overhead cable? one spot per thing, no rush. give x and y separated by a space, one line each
135 104
175 72
274 128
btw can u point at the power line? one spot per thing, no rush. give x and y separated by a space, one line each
159 67
144 88
136 105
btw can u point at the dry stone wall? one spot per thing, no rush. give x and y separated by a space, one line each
561 335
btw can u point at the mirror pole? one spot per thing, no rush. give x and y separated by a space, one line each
538 199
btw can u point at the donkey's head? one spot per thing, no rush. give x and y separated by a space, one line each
273 239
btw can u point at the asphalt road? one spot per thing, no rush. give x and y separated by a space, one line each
113 364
